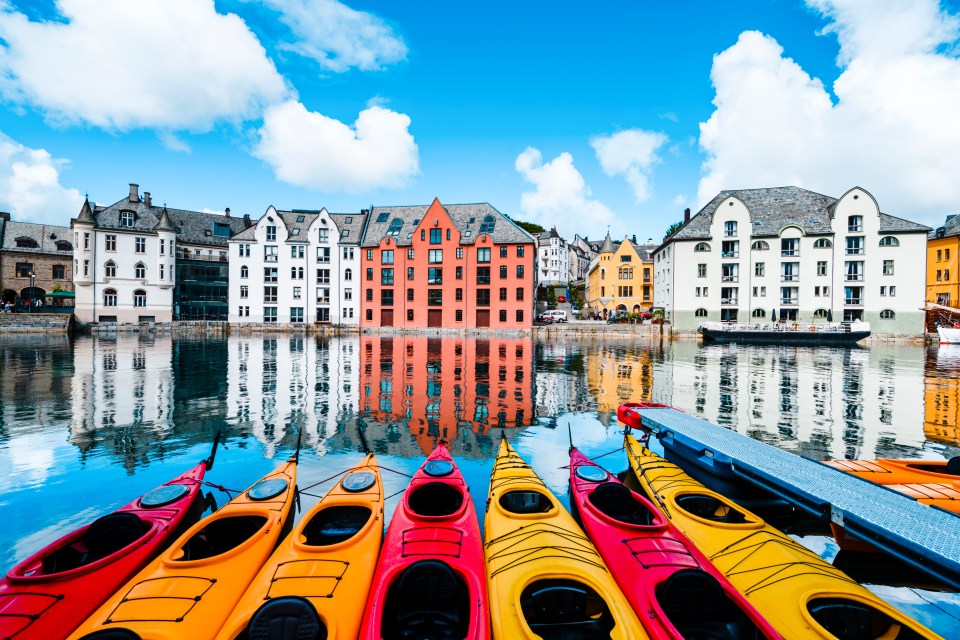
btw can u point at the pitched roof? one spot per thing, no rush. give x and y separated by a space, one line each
607 246
45 236
352 223
950 227
772 209
470 219
298 223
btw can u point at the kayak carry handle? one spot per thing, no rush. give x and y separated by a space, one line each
213 451
628 413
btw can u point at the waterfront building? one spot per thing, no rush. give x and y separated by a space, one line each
455 266
553 258
297 267
943 254
38 256
582 253
620 278
789 254
136 262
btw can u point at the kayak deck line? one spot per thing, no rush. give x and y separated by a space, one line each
581 547
926 538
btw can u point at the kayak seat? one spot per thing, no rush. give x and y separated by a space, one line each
112 634
428 601
335 524
221 536
557 609
435 499
709 508
615 500
288 618
713 616
953 466
851 620
525 502
111 533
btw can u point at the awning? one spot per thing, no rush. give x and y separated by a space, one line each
61 294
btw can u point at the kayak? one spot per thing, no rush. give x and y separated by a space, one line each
658 569
798 592
319 577
430 579
546 579
932 482
189 591
52 592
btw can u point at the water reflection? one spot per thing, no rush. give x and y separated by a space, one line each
941 374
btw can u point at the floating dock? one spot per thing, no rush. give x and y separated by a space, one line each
925 537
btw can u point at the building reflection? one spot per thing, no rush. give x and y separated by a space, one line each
35 378
560 384
451 389
618 374
941 394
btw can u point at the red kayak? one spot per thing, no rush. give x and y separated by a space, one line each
674 589
51 593
430 582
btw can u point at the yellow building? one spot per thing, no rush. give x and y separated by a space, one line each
620 279
943 253
941 395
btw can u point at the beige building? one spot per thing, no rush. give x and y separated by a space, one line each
42 251
620 279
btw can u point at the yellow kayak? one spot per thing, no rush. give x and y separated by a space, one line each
546 579
797 591
319 576
189 591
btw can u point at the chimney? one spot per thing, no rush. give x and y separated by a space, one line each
146 199
634 238
649 240
226 212
5 215
686 215
247 222
134 192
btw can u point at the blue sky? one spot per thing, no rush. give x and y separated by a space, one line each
580 115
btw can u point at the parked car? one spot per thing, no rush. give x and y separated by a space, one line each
557 315
545 318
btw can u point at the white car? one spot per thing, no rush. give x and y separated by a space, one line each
557 315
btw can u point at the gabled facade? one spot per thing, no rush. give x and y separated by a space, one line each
455 266
943 263
553 258
620 279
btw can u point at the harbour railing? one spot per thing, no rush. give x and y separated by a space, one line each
830 327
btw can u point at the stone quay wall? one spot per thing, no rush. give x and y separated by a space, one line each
36 323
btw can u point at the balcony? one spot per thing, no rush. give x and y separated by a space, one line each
853 302
855 227
730 254
789 277
730 278
272 258
855 251
790 252
730 233
854 277
729 301
789 302
187 255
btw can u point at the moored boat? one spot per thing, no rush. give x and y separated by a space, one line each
798 592
317 581
792 333
658 569
188 592
430 580
546 578
949 335
933 482
48 595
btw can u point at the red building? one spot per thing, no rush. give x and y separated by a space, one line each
458 266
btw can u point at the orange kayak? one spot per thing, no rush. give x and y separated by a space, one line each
319 576
189 590
933 482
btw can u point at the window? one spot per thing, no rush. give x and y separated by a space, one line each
891 241
883 291
270 274
946 275
459 253
790 246
503 315
888 267
409 315
888 314
730 273
323 235
435 297
435 256
296 273
163 247
519 270
436 236
139 298
386 297
459 273
139 271
348 294
296 314
730 229
790 271
221 229
369 254
701 246
386 276
323 255
140 245
702 270
855 245
244 272
86 240
409 295
323 276
369 315
700 313
270 294
369 274
111 243
243 312
939 275
760 245
86 267
893 291
459 315
269 314
760 269
503 252
386 256
854 223
161 272
759 313
483 255
348 253
459 294
110 269
483 297
503 271
946 254
519 293
822 243
519 252
821 267
410 273
434 275
483 275
244 250
109 297
59 272
244 291
297 251
369 295
730 249
271 253
503 293
272 237
126 219
854 270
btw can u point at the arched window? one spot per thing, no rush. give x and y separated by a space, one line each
888 314
701 313
244 272
109 297
140 271
702 246
348 274
759 313
820 313
760 245
822 243
139 298
111 269
889 241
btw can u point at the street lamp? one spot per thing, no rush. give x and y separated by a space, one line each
32 276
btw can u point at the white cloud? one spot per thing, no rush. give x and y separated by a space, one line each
892 130
680 200
30 186
309 149
561 196
632 154
338 37
117 64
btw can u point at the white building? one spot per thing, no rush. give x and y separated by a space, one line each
553 258
297 267
754 253
582 253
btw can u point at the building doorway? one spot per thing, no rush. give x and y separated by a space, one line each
386 317
435 317
483 317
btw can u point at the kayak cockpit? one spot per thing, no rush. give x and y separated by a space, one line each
696 605
285 618
616 501
950 468
715 509
104 537
334 525
854 620
221 535
555 609
524 502
427 600
435 500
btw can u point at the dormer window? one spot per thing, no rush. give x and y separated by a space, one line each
301 218
63 245
126 219
26 243
854 223
295 232
221 229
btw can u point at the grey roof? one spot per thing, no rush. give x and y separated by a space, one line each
45 235
350 222
467 218
607 246
772 209
950 227
164 224
299 220
86 215
195 227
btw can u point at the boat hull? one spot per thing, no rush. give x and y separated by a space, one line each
927 481
949 335
806 338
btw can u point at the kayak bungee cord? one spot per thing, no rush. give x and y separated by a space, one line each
525 533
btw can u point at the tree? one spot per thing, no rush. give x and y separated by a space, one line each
529 227
672 229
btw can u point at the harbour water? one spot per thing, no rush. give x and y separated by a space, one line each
86 426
